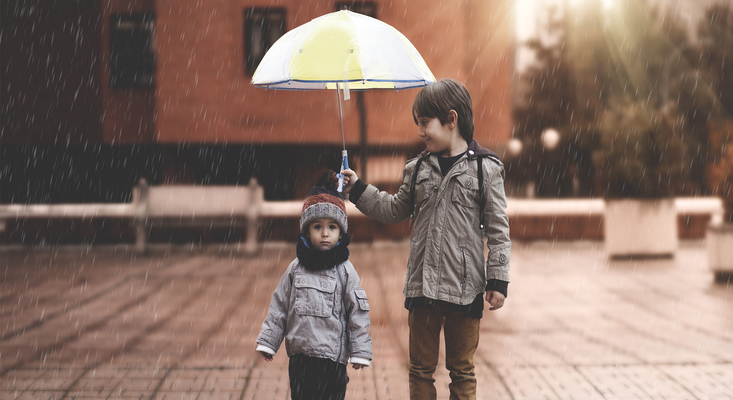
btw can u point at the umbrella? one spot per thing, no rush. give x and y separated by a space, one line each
345 51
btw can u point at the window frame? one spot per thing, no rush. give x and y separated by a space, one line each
265 14
132 53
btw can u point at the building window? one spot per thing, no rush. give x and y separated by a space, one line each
132 50
368 8
262 28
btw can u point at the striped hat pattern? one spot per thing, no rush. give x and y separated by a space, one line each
324 201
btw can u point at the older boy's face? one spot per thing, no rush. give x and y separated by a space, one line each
437 137
324 233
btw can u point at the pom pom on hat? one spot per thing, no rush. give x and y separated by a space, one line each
324 201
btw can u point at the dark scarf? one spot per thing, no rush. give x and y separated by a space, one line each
317 260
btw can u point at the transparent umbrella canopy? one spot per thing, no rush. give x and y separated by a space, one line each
342 51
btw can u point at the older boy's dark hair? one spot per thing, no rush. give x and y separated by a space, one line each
438 98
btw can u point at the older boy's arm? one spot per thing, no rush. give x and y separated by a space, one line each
357 306
380 205
273 327
497 232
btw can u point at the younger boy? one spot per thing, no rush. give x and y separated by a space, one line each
318 307
455 192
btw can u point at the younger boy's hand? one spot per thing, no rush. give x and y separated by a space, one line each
349 179
495 299
359 366
266 356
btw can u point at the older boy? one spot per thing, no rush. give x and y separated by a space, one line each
455 192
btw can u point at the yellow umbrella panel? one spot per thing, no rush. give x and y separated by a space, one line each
342 46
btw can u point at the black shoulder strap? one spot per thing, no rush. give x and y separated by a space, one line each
414 182
481 197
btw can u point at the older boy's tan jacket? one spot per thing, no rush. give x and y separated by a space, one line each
446 260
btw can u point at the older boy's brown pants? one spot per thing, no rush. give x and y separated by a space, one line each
461 340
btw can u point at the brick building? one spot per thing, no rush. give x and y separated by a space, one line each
99 94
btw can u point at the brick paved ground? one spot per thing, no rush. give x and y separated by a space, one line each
180 324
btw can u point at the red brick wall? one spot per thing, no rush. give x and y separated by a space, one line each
128 114
204 95
489 65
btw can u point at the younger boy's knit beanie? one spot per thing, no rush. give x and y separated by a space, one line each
324 201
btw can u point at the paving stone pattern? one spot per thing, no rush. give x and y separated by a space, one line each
181 323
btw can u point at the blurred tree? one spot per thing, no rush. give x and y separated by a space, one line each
548 80
719 172
642 153
644 144
642 63
716 42
595 62
544 101
716 59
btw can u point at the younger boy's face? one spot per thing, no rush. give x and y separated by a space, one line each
438 138
324 233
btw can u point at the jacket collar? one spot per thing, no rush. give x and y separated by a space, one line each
474 150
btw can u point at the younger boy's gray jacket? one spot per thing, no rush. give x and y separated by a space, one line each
322 314
446 260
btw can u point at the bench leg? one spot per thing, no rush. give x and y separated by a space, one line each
141 238
250 245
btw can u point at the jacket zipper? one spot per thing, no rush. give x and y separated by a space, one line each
463 284
343 292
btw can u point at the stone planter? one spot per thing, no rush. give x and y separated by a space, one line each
719 241
640 228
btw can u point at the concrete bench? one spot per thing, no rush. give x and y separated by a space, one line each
183 205
186 205
177 205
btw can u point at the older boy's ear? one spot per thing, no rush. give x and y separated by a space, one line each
452 118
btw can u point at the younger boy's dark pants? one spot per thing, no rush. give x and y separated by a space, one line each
314 378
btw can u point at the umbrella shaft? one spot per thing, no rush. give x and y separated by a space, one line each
341 116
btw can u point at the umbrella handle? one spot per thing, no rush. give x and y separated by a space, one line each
340 175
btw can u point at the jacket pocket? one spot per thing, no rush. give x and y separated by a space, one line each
314 295
465 192
423 188
362 298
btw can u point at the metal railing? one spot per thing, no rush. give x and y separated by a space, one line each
246 205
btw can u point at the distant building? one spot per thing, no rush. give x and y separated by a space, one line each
161 89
